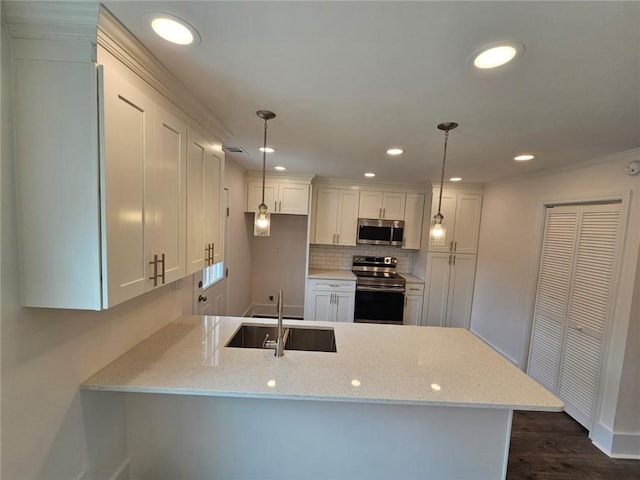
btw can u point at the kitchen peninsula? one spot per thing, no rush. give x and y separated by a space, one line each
391 402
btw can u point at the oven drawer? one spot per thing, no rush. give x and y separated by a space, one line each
332 285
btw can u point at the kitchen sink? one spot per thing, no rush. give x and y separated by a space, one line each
295 338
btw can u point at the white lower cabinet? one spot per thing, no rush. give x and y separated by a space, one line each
413 299
449 289
330 300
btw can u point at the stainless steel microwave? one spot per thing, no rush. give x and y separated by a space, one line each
380 232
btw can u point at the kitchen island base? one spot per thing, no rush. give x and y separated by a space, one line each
197 437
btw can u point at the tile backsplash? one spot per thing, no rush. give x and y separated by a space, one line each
338 257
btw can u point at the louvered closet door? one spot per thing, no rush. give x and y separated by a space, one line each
589 308
554 279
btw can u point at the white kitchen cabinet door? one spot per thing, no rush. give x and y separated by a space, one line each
413 212
449 289
461 213
344 306
254 196
412 314
166 182
382 205
321 308
336 216
347 218
461 280
204 231
467 223
326 215
437 288
293 199
214 205
128 134
370 204
393 205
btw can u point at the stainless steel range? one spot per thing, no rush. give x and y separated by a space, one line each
379 290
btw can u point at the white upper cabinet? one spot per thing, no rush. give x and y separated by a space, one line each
461 213
280 196
102 177
382 205
413 213
336 216
204 177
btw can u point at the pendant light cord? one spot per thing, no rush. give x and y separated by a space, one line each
444 158
264 158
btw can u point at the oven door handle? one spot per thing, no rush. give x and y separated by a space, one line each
380 289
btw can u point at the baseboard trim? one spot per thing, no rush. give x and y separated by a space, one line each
504 355
122 473
616 445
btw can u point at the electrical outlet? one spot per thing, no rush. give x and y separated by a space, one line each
271 298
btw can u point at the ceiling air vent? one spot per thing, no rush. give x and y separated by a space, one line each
235 150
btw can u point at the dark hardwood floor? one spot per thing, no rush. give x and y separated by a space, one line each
554 446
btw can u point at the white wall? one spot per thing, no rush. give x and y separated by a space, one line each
279 261
239 248
46 354
510 236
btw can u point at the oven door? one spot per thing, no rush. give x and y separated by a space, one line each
379 305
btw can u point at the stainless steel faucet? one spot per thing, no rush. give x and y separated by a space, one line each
280 332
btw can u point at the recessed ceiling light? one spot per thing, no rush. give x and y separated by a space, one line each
497 54
524 157
280 168
455 179
395 151
267 149
369 174
173 29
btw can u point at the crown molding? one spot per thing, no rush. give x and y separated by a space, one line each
122 44
52 20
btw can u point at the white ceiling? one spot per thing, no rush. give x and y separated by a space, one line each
348 80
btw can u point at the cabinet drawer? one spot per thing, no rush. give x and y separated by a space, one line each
333 285
414 289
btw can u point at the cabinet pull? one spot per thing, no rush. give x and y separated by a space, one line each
449 259
337 238
163 269
280 206
154 262
379 213
454 259
213 250
455 246
451 246
405 301
384 213
206 255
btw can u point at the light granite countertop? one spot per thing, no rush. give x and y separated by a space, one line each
389 364
331 274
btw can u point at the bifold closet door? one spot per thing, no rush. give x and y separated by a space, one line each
573 302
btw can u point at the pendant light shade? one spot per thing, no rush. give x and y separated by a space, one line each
438 230
262 222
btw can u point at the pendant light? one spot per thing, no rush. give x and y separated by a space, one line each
262 222
437 232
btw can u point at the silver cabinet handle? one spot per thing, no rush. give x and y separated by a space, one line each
449 259
454 259
405 301
275 206
380 213
154 262
384 213
279 205
451 246
206 255
455 246
213 249
163 268
337 238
